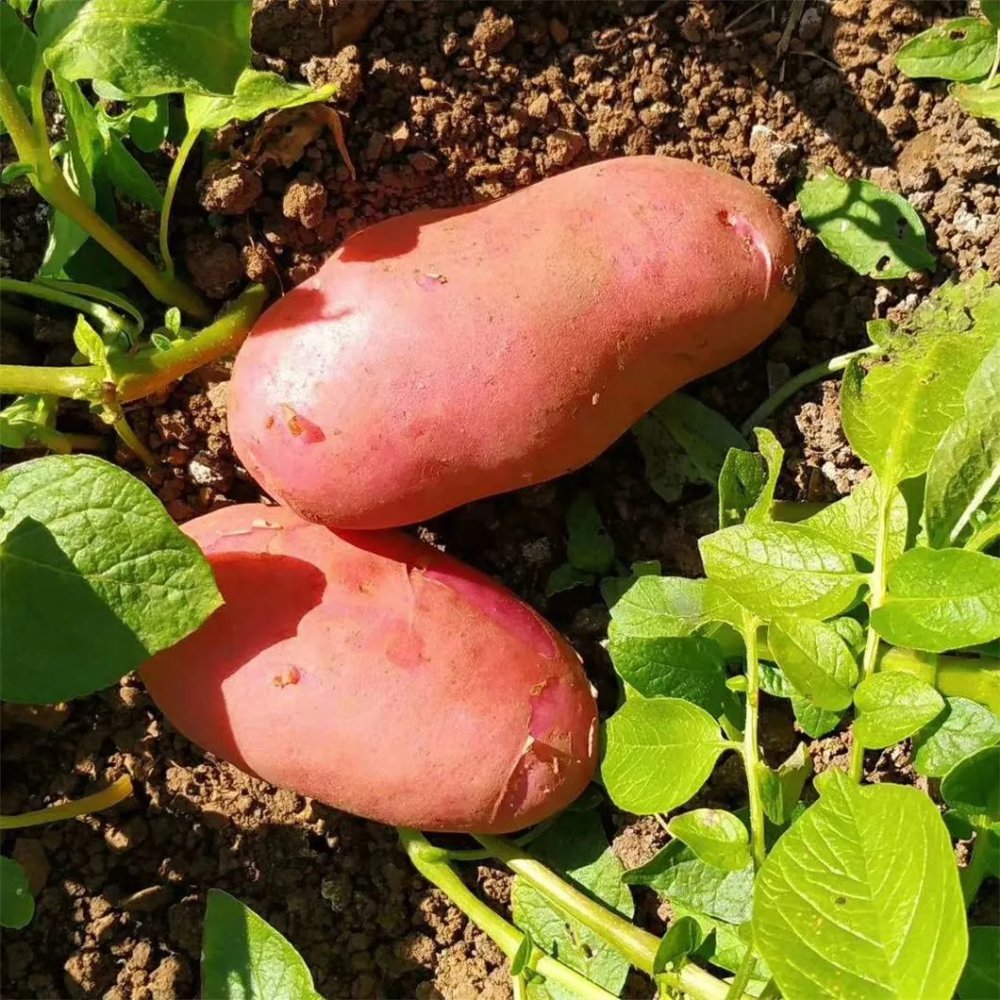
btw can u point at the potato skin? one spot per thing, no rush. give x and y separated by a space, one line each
444 356
374 673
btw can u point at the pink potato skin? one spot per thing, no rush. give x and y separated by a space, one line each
444 356
374 673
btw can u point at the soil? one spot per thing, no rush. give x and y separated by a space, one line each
449 103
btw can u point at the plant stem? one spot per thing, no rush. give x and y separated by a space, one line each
972 875
131 441
64 444
107 318
183 151
637 945
988 82
742 978
48 180
110 796
751 750
144 373
786 390
984 537
876 586
974 677
506 937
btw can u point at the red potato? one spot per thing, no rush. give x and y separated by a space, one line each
445 356
374 673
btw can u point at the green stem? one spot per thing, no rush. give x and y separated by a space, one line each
64 444
984 537
107 318
48 180
988 82
183 151
742 978
507 938
751 750
876 585
145 373
110 796
96 294
131 441
786 390
974 677
635 944
972 875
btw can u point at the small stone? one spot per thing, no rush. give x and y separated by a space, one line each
30 855
147 900
206 469
811 24
493 32
400 137
376 143
423 163
229 188
563 146
558 31
304 200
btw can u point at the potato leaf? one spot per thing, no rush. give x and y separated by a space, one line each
244 958
875 232
741 482
94 578
960 49
774 456
689 667
589 546
781 789
658 753
813 720
982 968
892 706
17 906
852 523
147 47
683 936
896 413
256 92
566 577
578 849
27 420
978 100
614 588
964 728
715 836
847 906
677 874
815 659
149 123
941 599
776 569
964 472
683 441
18 52
657 606
972 789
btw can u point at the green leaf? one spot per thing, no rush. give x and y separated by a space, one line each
160 342
679 876
683 937
774 456
129 177
94 578
172 320
990 9
147 47
577 848
941 599
17 906
775 569
741 482
256 93
657 606
961 49
658 753
860 898
964 728
148 124
893 706
895 414
688 667
964 472
244 958
875 232
589 547
977 100
18 52
816 660
614 588
26 420
566 577
684 441
972 788
781 789
982 968
812 720
89 343
851 524
715 836
16 170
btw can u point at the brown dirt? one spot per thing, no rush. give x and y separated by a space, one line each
449 103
